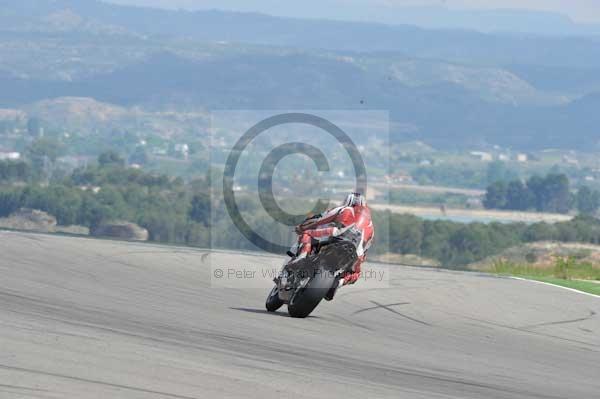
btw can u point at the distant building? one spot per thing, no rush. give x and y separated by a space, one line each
94 189
10 156
522 158
504 157
159 151
75 161
183 150
474 202
570 160
482 156
399 177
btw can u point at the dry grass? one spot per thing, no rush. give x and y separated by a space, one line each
564 268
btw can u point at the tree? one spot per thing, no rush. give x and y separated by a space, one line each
64 203
496 196
110 158
45 148
92 213
10 201
113 199
518 196
407 233
551 193
200 209
470 243
139 156
557 196
435 238
535 184
540 232
11 171
587 200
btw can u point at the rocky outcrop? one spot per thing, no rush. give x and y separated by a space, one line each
30 219
121 230
39 221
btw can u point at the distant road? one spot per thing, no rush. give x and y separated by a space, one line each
474 215
87 319
430 189
376 188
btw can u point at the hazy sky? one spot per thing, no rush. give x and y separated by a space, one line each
578 10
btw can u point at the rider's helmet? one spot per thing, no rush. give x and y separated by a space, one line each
355 199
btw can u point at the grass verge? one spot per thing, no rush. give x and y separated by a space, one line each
567 272
584 286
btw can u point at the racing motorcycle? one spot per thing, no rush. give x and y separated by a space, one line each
302 284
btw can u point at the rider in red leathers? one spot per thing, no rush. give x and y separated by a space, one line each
353 217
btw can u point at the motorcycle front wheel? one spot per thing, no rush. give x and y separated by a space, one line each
273 302
306 299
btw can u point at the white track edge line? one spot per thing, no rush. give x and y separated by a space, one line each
555 285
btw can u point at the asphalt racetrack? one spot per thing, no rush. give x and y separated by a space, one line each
83 318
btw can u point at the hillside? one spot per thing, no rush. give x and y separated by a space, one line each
456 45
444 87
433 16
307 81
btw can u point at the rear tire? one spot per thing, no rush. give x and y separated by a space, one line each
273 302
306 300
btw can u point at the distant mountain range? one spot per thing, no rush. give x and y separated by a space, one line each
450 45
444 87
432 17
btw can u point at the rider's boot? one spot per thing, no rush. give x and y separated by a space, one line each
304 248
298 258
331 293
